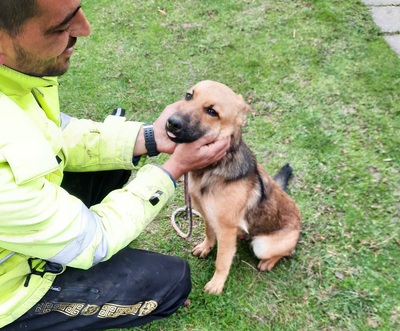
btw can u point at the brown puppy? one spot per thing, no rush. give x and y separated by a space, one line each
235 195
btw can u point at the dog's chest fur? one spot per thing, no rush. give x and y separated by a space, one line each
216 193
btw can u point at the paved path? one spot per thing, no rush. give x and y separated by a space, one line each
386 14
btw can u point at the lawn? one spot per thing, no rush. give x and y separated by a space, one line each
324 91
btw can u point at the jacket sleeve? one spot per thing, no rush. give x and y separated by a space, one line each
94 146
39 218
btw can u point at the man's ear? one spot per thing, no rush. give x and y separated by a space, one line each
2 51
6 45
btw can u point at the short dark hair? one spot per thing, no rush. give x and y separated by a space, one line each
15 13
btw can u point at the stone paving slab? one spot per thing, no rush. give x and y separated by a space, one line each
394 42
387 18
381 2
386 15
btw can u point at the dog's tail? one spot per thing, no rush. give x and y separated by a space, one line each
283 176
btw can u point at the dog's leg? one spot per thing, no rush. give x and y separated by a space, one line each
271 248
203 249
226 238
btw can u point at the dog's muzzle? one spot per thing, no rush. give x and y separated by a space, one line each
173 126
183 129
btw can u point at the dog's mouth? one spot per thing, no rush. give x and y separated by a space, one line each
182 138
170 135
182 131
174 138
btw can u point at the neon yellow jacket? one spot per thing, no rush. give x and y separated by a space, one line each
39 221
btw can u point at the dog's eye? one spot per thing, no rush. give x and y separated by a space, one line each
188 96
211 112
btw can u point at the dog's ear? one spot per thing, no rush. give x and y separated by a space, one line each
243 111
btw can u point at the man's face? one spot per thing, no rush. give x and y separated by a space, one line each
45 43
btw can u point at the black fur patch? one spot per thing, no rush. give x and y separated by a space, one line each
283 176
263 195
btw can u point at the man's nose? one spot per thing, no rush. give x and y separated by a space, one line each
80 26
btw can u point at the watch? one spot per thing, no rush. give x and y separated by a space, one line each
149 140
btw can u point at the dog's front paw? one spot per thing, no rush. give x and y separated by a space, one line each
215 285
203 249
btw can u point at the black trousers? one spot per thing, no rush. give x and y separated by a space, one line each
133 288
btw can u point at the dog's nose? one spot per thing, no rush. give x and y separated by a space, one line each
174 124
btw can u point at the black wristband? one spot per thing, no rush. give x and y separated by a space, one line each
149 140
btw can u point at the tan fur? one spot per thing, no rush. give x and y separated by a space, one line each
231 207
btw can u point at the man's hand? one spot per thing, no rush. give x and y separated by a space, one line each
196 155
164 144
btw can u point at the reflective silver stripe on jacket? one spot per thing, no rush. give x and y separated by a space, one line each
90 224
65 119
4 259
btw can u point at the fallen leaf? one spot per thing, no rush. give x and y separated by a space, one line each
339 275
162 11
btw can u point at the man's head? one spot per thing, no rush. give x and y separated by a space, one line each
37 36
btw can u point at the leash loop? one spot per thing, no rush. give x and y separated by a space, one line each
186 210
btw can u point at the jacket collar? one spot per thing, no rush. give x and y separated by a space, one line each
15 83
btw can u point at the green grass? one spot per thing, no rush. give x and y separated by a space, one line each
324 91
